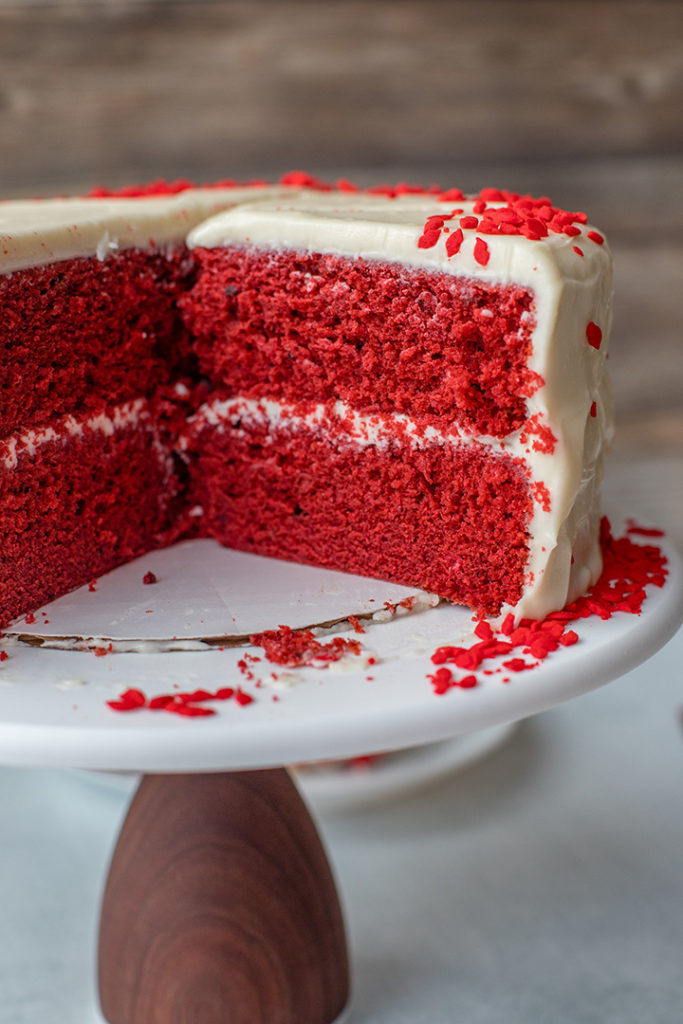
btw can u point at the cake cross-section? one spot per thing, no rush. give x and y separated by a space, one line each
408 385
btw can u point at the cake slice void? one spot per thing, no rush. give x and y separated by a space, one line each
406 387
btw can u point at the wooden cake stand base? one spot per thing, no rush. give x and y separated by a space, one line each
221 906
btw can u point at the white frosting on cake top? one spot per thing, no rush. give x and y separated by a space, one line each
34 232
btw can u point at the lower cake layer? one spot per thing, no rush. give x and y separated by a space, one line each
78 500
451 518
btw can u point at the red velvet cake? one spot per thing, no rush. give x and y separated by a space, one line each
408 386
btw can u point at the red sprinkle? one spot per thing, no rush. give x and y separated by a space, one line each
579 252
481 252
593 334
467 682
454 242
429 238
483 630
594 410
508 624
595 237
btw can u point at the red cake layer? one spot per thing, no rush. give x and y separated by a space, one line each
78 507
379 336
448 519
82 333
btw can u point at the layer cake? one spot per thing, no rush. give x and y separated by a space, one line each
404 385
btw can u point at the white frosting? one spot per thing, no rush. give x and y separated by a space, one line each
34 232
28 442
569 291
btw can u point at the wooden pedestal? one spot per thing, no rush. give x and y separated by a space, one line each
220 906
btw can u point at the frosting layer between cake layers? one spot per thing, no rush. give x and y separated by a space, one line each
116 438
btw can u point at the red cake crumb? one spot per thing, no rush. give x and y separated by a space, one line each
296 326
545 440
148 578
295 648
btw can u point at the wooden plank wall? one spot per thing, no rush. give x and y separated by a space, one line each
580 99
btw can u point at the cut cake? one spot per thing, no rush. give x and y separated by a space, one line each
405 385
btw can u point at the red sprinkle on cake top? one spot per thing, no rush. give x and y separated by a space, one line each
533 218
514 214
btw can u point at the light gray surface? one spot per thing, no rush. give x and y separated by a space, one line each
545 884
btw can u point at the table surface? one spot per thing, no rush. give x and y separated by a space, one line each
543 884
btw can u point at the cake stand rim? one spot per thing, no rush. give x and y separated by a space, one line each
192 747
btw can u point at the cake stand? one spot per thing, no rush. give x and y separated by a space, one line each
220 903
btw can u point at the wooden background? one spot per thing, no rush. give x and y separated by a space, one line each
581 99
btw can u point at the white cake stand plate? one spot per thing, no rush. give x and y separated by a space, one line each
220 903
